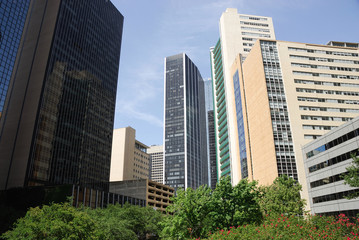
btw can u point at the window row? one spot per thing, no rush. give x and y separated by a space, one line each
325 75
327 180
256 34
324 118
254 24
317 127
327 109
324 83
332 161
334 196
303 65
255 29
309 90
253 18
249 39
328 100
324 59
323 52
333 143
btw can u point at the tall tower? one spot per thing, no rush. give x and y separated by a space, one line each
211 146
238 33
12 20
291 93
58 123
185 156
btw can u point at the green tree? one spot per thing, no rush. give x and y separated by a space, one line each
190 211
56 221
282 197
352 177
233 206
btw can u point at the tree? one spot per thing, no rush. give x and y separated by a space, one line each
56 221
190 211
233 206
282 197
352 177
63 221
197 212
127 222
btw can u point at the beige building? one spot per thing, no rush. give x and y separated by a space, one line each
291 93
156 157
129 159
238 33
156 195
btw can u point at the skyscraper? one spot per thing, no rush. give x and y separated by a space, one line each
238 33
211 140
291 93
185 156
58 120
12 20
156 165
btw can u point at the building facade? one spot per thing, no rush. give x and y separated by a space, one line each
300 91
325 161
58 129
12 20
129 158
185 150
154 194
156 165
238 33
211 143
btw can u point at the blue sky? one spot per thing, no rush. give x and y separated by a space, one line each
154 29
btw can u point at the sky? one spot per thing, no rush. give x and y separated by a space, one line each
155 29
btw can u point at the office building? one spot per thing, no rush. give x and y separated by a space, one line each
325 161
129 158
238 33
12 20
154 194
288 94
185 156
213 170
211 146
156 163
58 124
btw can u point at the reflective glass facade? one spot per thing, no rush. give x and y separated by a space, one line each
185 134
212 149
12 20
240 126
73 113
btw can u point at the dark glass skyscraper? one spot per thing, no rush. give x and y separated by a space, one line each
185 141
58 123
12 20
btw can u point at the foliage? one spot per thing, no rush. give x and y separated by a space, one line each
235 205
190 211
294 228
62 221
56 221
352 177
282 197
196 212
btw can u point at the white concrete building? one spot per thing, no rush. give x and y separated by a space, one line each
325 160
156 158
238 33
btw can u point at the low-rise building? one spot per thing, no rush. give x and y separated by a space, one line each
156 195
129 159
325 161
